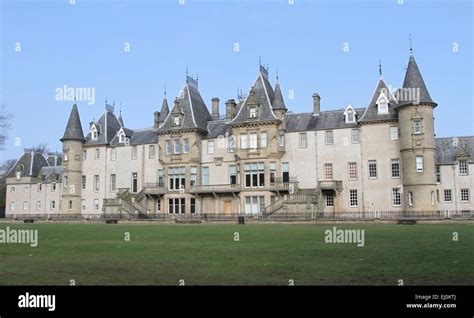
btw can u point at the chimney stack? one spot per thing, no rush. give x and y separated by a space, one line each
215 108
230 109
156 122
316 104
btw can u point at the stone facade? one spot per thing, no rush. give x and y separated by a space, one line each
258 158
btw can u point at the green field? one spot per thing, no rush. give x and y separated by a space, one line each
157 254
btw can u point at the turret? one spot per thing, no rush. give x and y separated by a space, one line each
278 104
73 140
417 141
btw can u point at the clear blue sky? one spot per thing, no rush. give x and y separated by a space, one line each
82 45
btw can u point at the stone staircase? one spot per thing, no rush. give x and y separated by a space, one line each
125 202
289 201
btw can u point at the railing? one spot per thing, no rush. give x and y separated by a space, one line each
215 188
292 198
155 185
330 185
274 217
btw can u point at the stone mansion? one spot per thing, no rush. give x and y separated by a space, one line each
257 158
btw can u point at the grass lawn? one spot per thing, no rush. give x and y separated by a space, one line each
163 254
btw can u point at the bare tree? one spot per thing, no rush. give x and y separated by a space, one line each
5 118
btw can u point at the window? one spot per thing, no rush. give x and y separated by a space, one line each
243 141
113 182
464 195
372 169
38 205
350 116
84 155
176 205
233 174
177 146
303 140
352 167
437 195
12 189
121 137
96 183
84 182
70 204
382 104
328 171
65 182
176 120
281 140
285 171
94 134
168 147
438 174
134 152
66 156
193 176
463 168
113 154
410 198
83 204
134 182
205 175
12 206
395 164
18 175
272 172
210 147
253 140
39 187
396 197
158 205
160 177
252 112
448 197
193 206
52 205
176 178
97 153
254 204
432 198
419 164
355 135
263 140
329 137
96 204
254 174
53 186
329 199
417 127
185 145
353 198
151 151
393 133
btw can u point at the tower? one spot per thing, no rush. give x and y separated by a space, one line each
278 104
417 141
72 140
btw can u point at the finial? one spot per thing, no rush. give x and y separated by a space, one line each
411 46
113 104
380 67
259 60
277 75
186 71
105 100
165 90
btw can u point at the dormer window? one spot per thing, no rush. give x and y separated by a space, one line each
94 133
122 138
350 114
176 120
382 104
253 112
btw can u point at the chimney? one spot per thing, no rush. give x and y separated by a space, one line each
215 108
156 122
230 108
316 104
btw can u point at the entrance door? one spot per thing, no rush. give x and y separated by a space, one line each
227 207
134 182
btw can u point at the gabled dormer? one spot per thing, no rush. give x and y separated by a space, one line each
177 115
350 114
382 103
253 108
124 136
94 131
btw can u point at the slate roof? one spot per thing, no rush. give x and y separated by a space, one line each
32 163
371 113
109 126
217 128
73 129
47 172
164 110
414 80
332 119
143 136
278 102
262 93
448 148
196 114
